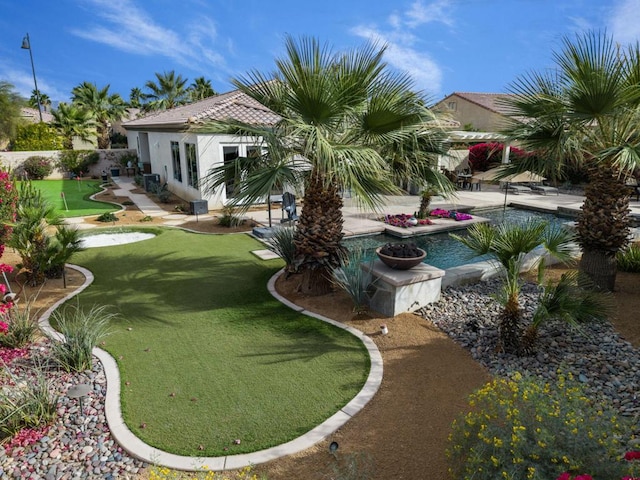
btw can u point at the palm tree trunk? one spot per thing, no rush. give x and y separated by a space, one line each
318 236
603 225
509 327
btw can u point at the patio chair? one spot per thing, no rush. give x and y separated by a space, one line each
518 189
289 206
544 189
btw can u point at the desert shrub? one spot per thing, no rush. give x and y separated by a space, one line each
8 205
164 473
161 192
107 217
526 428
229 218
77 161
354 279
629 260
82 331
36 137
129 157
138 180
26 404
37 167
281 242
21 327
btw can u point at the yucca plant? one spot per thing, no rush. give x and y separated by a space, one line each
82 330
27 404
281 242
355 280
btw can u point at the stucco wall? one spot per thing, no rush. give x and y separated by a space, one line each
107 158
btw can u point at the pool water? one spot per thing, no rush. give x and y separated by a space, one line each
443 251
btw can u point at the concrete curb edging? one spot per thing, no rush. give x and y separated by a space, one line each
145 452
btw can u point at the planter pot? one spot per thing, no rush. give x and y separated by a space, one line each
104 178
399 263
115 172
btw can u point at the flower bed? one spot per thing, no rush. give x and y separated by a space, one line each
457 216
405 221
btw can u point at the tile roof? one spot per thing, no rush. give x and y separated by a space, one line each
234 104
486 100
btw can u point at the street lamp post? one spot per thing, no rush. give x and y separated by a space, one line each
26 44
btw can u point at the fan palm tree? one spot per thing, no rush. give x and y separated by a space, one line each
347 117
200 89
135 98
45 101
586 114
73 121
169 92
104 108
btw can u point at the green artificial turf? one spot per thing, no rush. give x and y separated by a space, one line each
207 355
76 193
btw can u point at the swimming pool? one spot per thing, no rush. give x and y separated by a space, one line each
443 251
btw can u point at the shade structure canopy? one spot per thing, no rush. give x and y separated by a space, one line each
497 172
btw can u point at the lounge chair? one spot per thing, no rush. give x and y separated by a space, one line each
544 189
518 189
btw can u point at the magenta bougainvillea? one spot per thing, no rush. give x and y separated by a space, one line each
405 221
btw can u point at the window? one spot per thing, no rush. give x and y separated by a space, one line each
192 164
175 160
452 106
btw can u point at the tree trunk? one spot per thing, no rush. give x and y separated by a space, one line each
603 225
318 235
509 327
425 201
600 267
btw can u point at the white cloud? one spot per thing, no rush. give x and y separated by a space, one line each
400 41
127 27
624 21
22 80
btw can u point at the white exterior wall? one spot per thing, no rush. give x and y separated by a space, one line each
209 153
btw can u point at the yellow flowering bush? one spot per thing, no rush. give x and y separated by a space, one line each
524 428
163 473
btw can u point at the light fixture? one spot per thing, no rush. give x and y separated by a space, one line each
26 44
79 391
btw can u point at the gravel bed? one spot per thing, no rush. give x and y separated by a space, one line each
79 444
607 365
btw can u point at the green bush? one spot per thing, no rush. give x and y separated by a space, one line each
107 217
26 404
629 260
36 137
22 327
525 428
82 331
37 167
229 218
282 244
76 161
355 280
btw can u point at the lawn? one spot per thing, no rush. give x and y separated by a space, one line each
206 355
76 193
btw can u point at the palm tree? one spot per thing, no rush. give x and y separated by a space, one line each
585 114
509 246
45 101
169 92
347 116
73 121
10 103
200 89
104 108
135 98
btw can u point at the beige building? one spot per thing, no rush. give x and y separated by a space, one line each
475 111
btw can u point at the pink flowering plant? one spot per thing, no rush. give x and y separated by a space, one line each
457 216
629 457
405 221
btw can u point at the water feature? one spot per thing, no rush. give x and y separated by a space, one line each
443 251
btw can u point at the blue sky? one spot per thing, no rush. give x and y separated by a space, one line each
445 45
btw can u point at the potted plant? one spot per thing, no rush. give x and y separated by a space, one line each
401 256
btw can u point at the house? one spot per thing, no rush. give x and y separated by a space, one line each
32 115
475 111
168 147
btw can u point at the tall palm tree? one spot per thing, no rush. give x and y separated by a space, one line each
200 89
45 101
136 97
73 121
347 115
104 108
585 113
169 92
508 245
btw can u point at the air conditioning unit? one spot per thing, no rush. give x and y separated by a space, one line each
198 207
149 180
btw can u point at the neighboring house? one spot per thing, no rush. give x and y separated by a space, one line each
31 115
181 157
475 111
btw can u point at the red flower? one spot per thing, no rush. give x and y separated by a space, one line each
564 476
632 455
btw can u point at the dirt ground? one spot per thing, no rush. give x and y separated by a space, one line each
402 433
